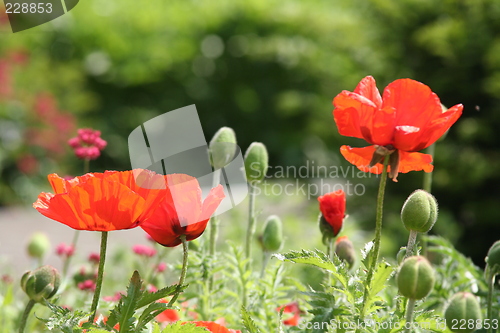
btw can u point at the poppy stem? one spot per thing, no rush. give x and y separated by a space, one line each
489 314
409 314
411 243
183 272
100 273
427 186
251 221
378 233
26 313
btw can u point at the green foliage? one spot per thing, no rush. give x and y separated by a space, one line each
136 298
180 328
248 322
64 319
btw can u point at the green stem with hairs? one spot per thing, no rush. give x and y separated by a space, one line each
427 186
409 314
251 221
489 300
24 318
100 274
411 243
378 234
183 271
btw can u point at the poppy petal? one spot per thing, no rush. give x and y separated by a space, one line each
383 126
361 158
440 125
96 205
415 103
353 115
367 87
414 162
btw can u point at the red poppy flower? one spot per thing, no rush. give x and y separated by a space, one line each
294 309
182 212
408 118
332 207
169 315
102 201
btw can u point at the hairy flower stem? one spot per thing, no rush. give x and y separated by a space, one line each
265 260
378 234
214 222
411 243
427 186
26 313
251 221
100 274
183 272
489 314
409 314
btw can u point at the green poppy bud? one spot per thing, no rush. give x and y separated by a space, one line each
38 245
42 283
415 277
401 255
345 250
493 259
222 147
256 162
463 313
272 237
420 211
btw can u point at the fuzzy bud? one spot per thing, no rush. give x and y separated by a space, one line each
420 211
256 162
38 245
272 237
463 307
42 283
222 147
493 259
415 278
345 250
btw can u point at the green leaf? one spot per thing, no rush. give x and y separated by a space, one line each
64 319
148 297
248 322
149 314
183 328
380 277
315 258
124 311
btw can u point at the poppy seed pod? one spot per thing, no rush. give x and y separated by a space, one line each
256 162
415 278
463 307
222 147
38 245
419 211
272 237
42 283
345 250
493 259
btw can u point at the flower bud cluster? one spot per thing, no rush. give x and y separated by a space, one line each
87 144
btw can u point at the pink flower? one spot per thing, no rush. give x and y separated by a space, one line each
115 298
144 250
87 285
161 267
64 250
87 144
94 258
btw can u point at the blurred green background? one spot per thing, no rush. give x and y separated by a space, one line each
268 69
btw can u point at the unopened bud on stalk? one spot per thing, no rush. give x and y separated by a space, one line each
222 147
38 245
272 237
256 162
493 259
463 308
420 211
345 250
42 283
415 278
